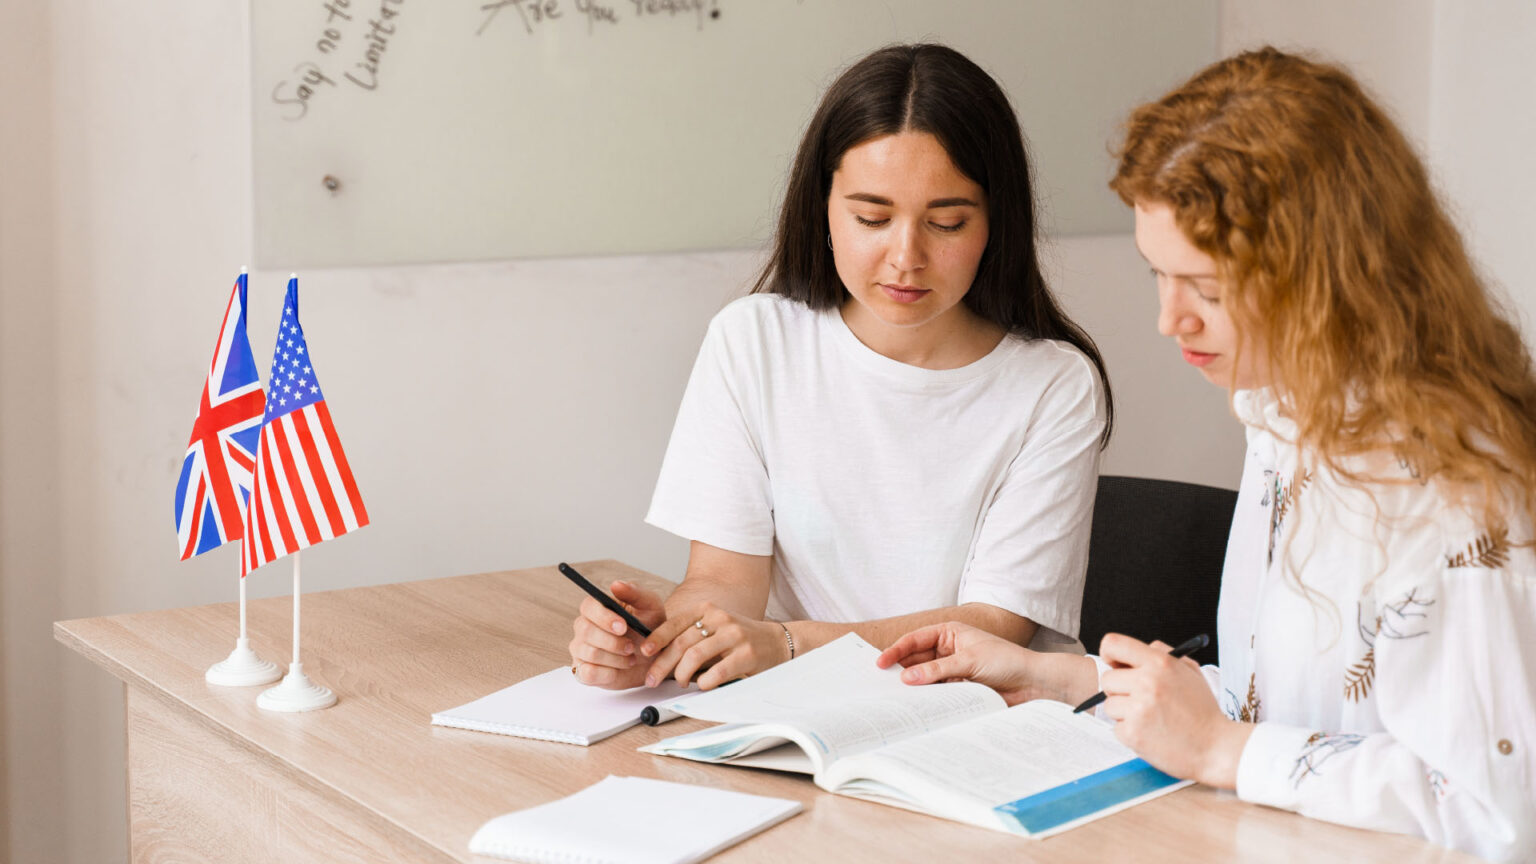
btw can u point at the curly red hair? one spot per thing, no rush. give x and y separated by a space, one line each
1337 256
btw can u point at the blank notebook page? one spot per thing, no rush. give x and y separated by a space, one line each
631 819
555 706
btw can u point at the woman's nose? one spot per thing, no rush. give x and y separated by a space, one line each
907 252
1174 315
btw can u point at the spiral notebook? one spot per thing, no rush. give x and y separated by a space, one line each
633 820
555 706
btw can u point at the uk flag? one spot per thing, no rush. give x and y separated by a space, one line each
304 492
216 476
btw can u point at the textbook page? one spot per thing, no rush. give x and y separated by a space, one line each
1035 769
841 700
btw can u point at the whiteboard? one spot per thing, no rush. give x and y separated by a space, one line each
394 131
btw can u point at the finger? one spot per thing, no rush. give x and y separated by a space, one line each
665 663
1117 648
593 634
724 670
1114 707
664 635
920 657
602 617
698 655
937 670
643 604
925 639
1124 681
596 656
596 676
1160 645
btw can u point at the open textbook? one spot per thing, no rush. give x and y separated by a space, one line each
950 750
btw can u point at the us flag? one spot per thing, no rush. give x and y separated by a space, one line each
216 473
304 492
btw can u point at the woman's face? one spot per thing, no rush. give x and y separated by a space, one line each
1190 309
907 230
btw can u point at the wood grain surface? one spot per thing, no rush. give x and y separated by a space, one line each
211 777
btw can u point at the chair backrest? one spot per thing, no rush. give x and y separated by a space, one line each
1154 561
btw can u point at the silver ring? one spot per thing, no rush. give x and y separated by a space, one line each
699 626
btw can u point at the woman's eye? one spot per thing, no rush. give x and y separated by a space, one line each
948 228
872 223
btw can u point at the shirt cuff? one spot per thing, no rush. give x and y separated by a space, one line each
1103 667
1266 771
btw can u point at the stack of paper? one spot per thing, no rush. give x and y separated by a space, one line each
631 819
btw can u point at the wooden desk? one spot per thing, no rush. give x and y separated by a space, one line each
213 778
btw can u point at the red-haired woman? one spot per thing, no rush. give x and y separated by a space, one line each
1377 627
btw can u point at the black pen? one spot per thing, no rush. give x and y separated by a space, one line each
1184 649
602 597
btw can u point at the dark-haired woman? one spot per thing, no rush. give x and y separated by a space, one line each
899 426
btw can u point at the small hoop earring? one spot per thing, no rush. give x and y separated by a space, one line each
829 241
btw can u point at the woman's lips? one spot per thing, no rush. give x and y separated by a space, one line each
903 293
1195 358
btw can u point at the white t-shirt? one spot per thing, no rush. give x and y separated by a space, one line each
881 488
1400 694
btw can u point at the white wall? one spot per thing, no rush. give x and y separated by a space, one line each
1385 43
29 418
1482 115
498 415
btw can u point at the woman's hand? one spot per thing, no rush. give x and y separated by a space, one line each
604 651
959 652
1167 713
705 643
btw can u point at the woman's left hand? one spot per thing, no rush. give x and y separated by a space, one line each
731 645
1167 713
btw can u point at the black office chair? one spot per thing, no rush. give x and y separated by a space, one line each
1154 561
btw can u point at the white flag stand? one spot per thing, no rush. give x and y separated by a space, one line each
297 692
242 668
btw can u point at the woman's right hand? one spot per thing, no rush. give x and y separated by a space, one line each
605 652
952 651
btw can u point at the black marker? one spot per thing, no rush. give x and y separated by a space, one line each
1184 649
602 597
652 715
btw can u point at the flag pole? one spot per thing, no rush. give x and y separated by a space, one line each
297 692
242 668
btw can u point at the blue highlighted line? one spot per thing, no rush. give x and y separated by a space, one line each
1071 801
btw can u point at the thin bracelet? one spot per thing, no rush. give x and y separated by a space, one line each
788 640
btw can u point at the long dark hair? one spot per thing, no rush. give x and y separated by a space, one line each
937 90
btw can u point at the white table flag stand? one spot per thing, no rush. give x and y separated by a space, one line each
297 692
242 668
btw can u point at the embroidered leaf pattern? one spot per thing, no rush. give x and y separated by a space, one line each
1248 712
1490 550
1406 618
1360 675
1282 496
1290 493
1358 678
1321 747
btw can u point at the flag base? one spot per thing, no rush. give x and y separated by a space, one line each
242 668
296 693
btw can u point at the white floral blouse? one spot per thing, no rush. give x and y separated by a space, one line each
1385 646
